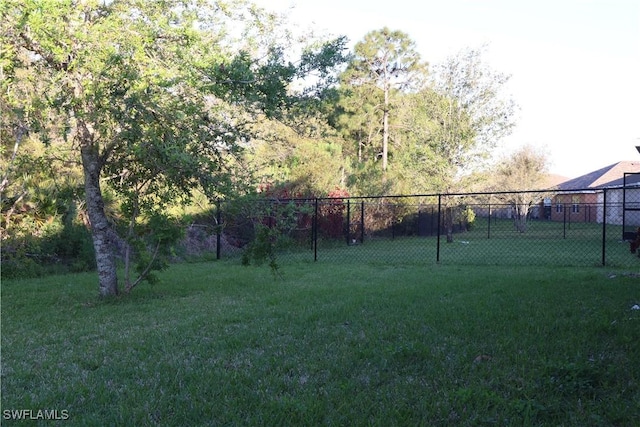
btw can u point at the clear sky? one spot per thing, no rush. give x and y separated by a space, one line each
575 64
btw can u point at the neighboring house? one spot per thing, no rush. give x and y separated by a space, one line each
582 199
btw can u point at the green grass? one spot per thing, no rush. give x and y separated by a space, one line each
545 243
329 343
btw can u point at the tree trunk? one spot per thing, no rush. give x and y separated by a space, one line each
522 211
385 129
448 219
105 257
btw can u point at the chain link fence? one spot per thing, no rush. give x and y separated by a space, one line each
570 228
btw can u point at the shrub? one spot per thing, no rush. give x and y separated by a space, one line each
467 217
331 214
15 267
60 245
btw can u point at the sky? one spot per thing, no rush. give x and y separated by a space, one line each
574 64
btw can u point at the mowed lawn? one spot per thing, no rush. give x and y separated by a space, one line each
544 244
328 344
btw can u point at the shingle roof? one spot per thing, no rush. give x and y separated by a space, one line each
609 176
553 180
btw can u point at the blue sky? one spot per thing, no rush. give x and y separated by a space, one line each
575 64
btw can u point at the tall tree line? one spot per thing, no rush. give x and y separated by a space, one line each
402 125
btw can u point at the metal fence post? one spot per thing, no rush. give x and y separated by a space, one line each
604 227
439 221
489 223
218 231
362 222
624 204
348 228
315 230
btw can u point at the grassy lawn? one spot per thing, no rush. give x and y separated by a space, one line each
544 244
367 343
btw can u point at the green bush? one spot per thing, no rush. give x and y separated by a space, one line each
71 247
15 267
468 217
61 246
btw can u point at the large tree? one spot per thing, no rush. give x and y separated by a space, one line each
152 95
383 63
468 102
472 114
525 169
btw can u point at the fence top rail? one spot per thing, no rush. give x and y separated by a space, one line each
478 193
436 195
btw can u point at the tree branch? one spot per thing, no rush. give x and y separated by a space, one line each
146 270
35 47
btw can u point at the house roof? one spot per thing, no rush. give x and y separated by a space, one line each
609 176
553 180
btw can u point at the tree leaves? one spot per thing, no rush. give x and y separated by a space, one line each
156 96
